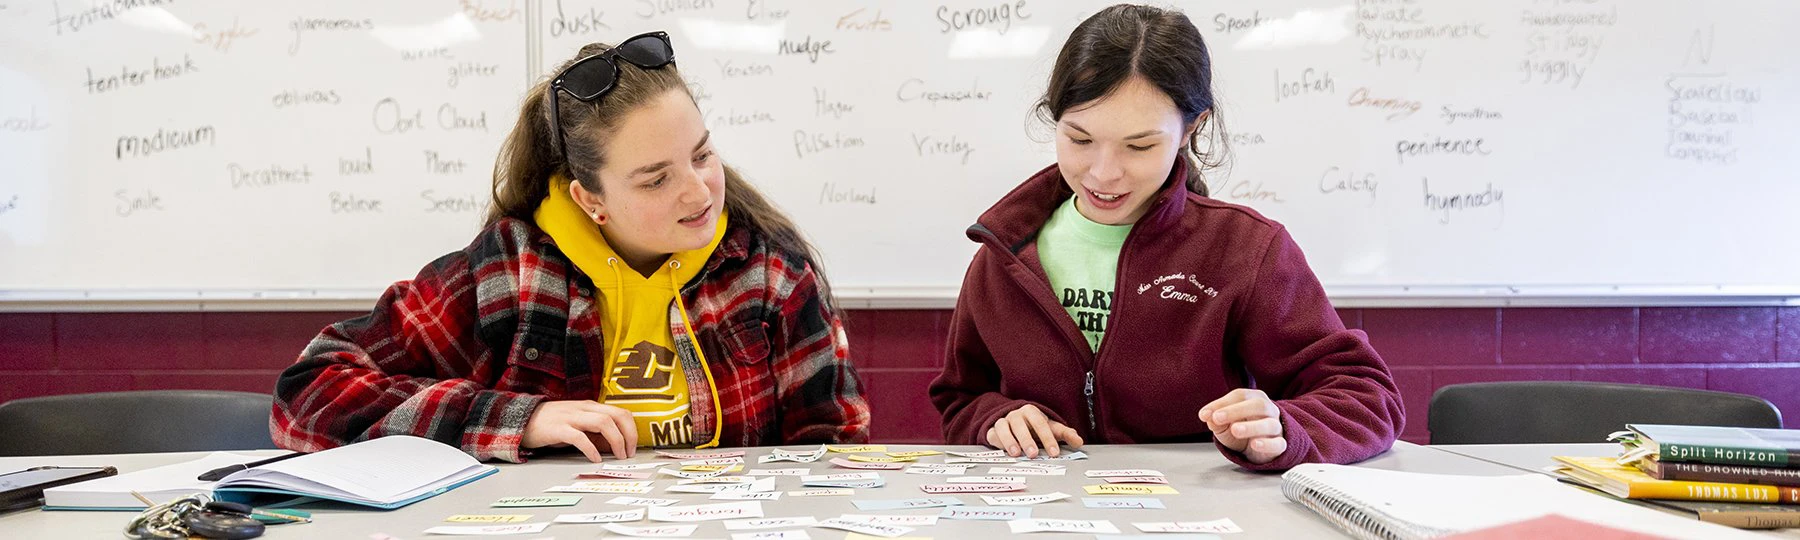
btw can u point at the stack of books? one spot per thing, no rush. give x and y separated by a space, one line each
1741 477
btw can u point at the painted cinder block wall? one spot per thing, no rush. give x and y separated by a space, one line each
1752 350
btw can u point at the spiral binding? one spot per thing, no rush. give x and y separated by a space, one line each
1346 512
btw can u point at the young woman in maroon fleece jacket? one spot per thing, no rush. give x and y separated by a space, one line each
1213 327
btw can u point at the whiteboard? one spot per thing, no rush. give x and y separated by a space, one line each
1416 149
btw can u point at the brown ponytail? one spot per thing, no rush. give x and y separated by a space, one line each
527 159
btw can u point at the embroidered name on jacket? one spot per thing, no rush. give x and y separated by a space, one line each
1178 287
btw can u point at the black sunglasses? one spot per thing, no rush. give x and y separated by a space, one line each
591 78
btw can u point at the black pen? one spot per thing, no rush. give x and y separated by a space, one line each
222 472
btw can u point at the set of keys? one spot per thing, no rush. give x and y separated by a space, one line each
199 515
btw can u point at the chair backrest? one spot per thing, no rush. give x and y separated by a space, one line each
1580 412
133 422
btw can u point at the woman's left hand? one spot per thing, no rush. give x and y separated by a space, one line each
1246 420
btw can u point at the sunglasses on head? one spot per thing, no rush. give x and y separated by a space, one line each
591 78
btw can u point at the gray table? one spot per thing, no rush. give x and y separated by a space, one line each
1536 457
1528 457
1210 488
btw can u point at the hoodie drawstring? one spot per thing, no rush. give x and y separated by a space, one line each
694 341
615 301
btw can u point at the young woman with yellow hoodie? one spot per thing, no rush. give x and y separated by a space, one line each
628 290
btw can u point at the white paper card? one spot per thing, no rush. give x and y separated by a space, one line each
642 501
778 472
1021 526
840 477
1027 471
772 535
800 456
937 468
845 463
986 513
872 529
1123 502
826 492
982 454
746 496
980 460
693 475
898 504
986 480
1215 526
1023 500
652 531
971 488
1104 473
903 520
769 523
629 466
604 517
707 512
761 485
717 480
622 475
489 530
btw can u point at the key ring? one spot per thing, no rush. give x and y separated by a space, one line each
164 521
194 515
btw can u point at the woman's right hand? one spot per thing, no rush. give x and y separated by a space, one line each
1024 429
577 423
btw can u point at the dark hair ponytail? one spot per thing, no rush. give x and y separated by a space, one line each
1163 47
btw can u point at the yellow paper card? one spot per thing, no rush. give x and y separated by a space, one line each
1124 489
855 449
488 518
712 468
918 454
879 459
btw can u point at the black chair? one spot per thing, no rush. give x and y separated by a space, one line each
1580 412
132 422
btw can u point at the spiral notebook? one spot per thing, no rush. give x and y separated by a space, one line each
1394 505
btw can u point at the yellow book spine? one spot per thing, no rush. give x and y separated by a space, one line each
1712 491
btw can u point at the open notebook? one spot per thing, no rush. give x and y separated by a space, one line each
388 472
1382 504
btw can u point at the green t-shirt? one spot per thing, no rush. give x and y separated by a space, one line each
1081 258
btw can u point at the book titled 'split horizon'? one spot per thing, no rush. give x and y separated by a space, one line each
386 473
1720 445
1626 481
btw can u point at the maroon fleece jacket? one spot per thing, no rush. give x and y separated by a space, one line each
1210 297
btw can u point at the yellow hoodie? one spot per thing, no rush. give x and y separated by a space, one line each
643 373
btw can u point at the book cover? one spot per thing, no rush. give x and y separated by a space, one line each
1720 445
1738 515
1628 482
1709 472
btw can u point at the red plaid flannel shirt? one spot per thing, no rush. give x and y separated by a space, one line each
466 351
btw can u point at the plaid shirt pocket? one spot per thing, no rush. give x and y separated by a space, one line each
747 343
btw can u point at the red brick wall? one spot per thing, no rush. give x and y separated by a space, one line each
1752 350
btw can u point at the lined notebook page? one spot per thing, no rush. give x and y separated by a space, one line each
385 469
1376 503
